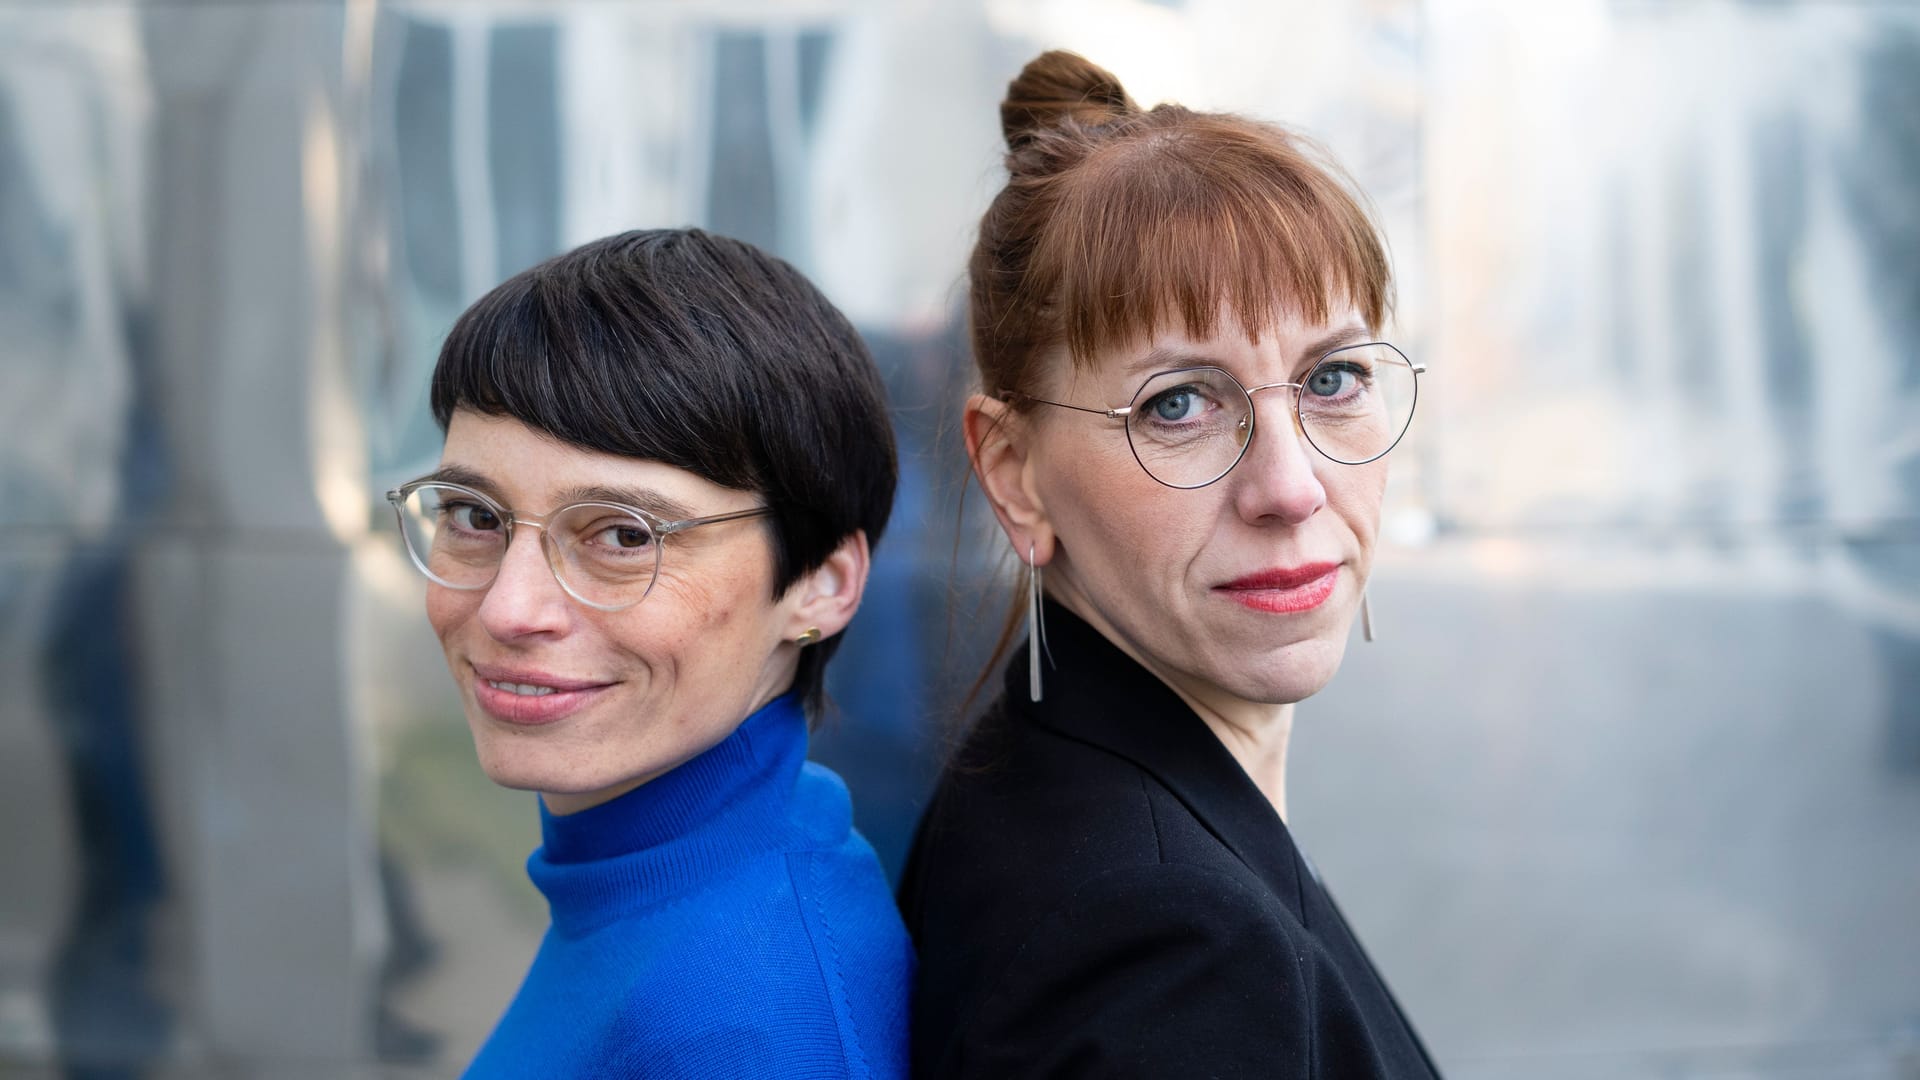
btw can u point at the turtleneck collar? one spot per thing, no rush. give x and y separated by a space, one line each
667 835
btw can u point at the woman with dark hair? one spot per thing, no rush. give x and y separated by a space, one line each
667 460
1183 421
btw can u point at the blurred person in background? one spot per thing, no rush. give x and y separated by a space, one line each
1183 421
667 459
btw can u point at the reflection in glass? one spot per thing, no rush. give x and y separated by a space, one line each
1667 287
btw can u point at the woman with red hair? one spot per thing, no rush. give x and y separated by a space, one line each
1182 425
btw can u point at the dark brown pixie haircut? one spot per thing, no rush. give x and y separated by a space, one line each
700 352
1119 222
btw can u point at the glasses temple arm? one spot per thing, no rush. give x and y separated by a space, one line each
668 527
1120 413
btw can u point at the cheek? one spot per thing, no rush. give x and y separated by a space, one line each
449 609
689 604
1110 513
1093 480
1356 492
684 614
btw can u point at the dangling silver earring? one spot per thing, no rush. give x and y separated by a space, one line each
1366 617
1036 626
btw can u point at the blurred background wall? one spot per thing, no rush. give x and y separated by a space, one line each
1629 786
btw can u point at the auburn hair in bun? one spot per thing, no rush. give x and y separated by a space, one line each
1057 88
1118 222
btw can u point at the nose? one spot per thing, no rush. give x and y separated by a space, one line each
1277 480
525 599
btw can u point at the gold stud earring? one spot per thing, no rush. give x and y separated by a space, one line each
808 636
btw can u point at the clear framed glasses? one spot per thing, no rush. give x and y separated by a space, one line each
606 555
1189 427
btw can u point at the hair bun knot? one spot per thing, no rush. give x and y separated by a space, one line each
1059 87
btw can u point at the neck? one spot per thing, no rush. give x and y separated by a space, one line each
1254 732
1256 735
739 770
776 678
570 802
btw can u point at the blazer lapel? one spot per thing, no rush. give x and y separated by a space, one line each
1096 694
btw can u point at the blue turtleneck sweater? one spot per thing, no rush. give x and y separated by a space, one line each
721 920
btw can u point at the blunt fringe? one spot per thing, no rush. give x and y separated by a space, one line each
700 352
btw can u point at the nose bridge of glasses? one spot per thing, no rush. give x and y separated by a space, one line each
1296 387
513 519
558 568
548 546
1294 420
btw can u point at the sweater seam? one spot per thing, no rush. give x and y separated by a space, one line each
833 982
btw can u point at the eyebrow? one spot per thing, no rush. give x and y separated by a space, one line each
1352 335
459 474
1167 357
644 498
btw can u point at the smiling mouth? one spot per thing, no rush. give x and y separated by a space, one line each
522 689
524 698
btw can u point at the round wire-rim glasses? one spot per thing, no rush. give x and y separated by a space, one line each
1353 406
608 546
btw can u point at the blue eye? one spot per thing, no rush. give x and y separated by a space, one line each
1338 380
1328 382
1176 405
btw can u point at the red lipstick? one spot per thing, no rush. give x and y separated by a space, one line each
529 697
1285 589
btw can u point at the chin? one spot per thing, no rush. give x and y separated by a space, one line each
1287 675
511 771
520 764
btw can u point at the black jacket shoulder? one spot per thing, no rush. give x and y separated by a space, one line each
1088 902
1132 955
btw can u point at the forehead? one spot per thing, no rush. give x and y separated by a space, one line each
530 470
1289 343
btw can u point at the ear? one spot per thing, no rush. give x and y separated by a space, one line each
999 444
828 596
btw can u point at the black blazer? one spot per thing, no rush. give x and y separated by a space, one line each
1098 889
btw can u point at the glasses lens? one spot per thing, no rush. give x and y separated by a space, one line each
1357 402
608 555
1189 427
453 536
